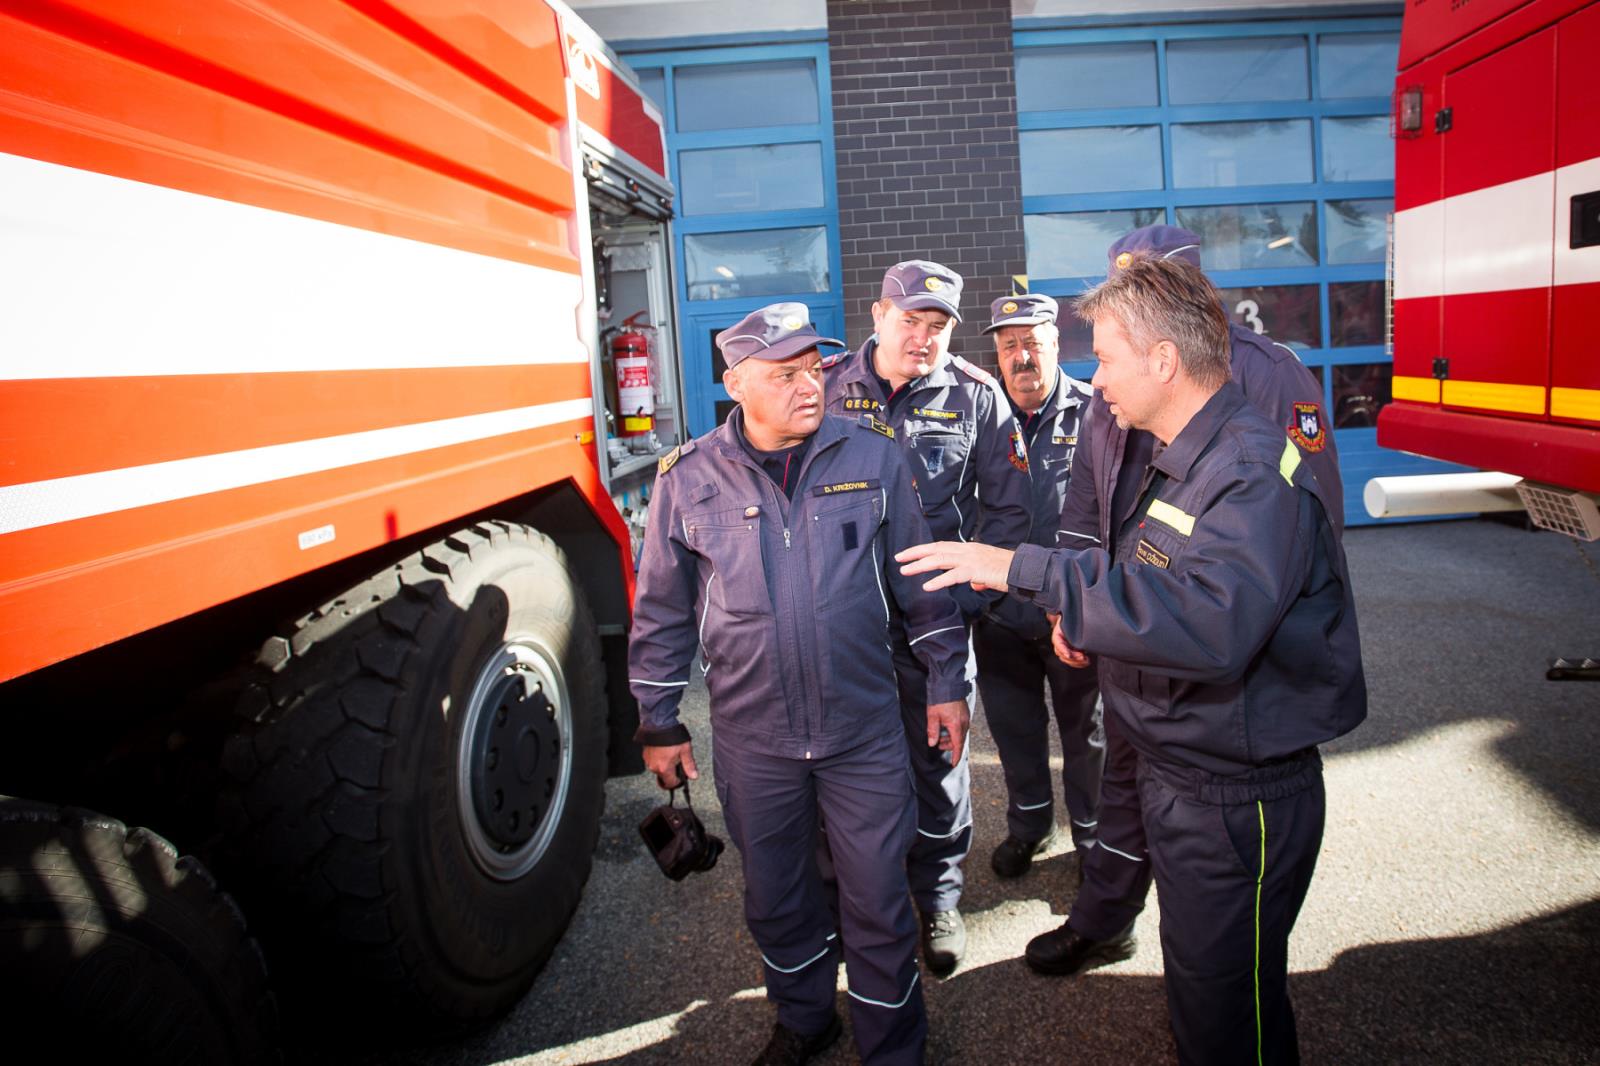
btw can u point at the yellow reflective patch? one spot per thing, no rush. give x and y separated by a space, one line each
1168 515
1289 461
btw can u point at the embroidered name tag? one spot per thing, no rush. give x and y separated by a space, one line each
845 486
1145 553
861 403
934 412
1060 439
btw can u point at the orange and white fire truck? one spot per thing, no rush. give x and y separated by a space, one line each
309 554
1496 272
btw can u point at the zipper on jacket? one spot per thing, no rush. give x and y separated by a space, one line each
786 540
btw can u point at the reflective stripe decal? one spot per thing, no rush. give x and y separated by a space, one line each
1418 390
931 632
1289 461
803 965
1033 806
43 503
880 1003
656 684
1168 515
1575 403
1261 817
1125 855
1492 396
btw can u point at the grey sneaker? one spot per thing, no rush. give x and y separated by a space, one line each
944 940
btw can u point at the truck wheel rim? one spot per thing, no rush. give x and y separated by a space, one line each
514 760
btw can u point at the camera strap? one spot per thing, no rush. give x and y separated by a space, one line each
683 783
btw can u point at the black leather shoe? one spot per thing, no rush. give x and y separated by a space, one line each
789 1048
1014 857
944 941
1064 951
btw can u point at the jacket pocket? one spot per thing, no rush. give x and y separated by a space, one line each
846 559
731 540
938 455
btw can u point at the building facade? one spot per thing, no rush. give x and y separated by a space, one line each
816 143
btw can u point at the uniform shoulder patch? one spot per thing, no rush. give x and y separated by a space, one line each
878 427
671 458
1307 428
1019 452
831 361
973 371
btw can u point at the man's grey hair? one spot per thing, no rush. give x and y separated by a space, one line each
1156 300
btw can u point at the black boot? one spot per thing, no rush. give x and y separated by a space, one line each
1064 950
789 1048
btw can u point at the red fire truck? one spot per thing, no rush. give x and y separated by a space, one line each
1496 273
309 558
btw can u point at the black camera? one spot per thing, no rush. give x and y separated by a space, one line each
677 839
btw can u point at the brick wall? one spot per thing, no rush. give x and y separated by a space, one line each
925 133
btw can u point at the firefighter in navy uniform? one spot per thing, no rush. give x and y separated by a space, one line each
768 548
1225 630
969 468
1106 474
1012 641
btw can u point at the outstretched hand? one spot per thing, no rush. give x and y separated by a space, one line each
983 566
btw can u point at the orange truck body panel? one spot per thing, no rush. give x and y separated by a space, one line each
195 408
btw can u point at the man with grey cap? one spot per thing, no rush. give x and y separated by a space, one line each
969 468
1012 641
1107 474
768 547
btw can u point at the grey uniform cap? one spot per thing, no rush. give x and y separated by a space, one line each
1029 309
774 333
918 285
1163 242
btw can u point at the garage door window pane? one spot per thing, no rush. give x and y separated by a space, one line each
1355 313
1087 76
654 84
1360 391
1096 159
1245 236
731 96
1357 149
1074 245
1358 230
1243 69
1212 154
766 177
1357 64
1288 314
773 262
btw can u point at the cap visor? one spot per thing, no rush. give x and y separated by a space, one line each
792 346
925 301
1027 320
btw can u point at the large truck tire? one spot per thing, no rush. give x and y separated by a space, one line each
118 949
413 802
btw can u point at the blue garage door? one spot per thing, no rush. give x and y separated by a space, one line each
750 147
1270 139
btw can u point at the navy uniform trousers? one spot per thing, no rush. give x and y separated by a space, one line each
1233 859
944 793
1012 676
771 806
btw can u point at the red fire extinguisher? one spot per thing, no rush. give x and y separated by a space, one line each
636 400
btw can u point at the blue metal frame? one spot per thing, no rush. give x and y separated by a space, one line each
1359 454
698 317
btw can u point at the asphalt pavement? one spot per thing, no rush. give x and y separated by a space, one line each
1454 918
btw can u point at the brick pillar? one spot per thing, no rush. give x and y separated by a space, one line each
925 137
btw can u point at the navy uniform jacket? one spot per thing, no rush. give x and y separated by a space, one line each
1051 436
788 600
1226 629
969 466
1274 380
